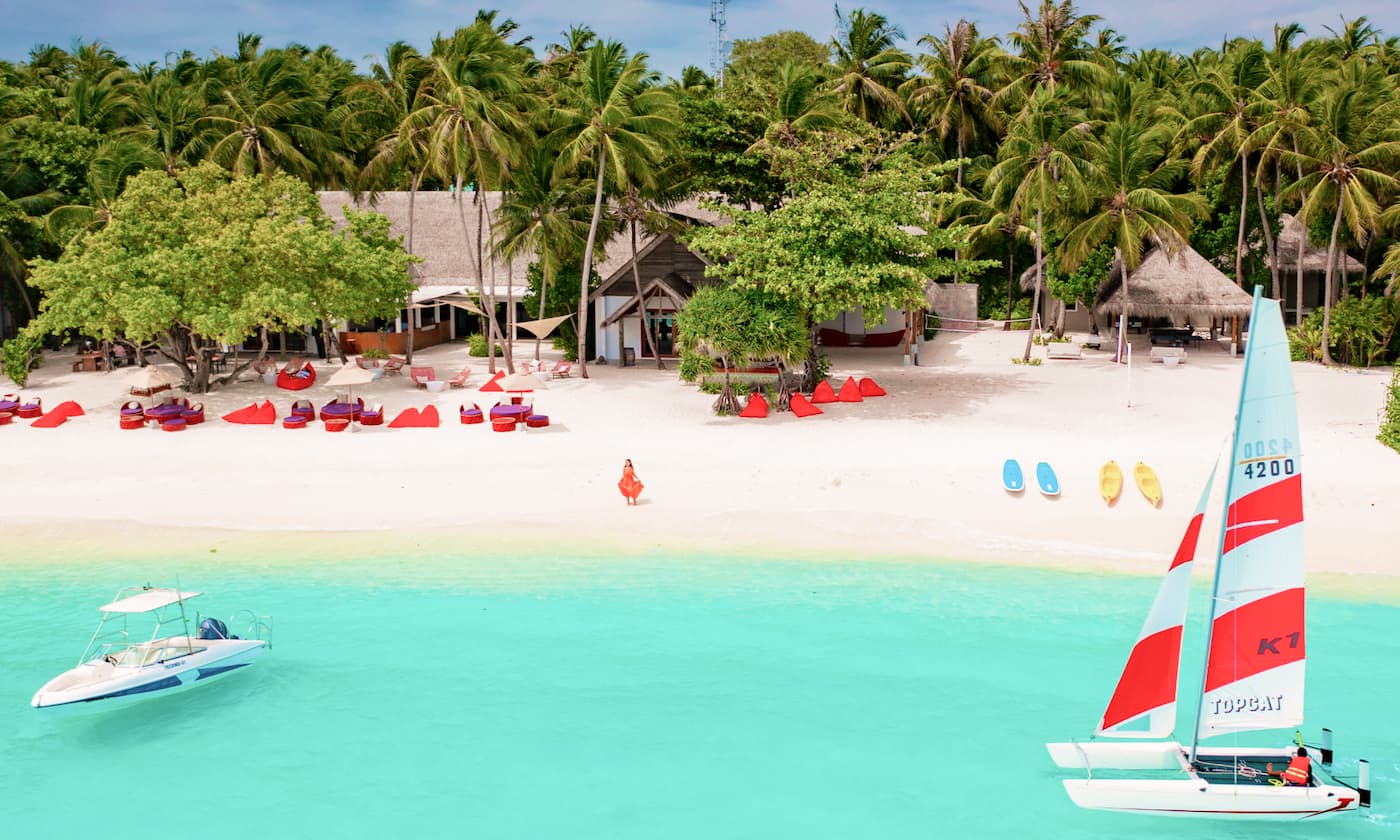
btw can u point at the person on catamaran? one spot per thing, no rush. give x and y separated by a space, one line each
1298 772
630 486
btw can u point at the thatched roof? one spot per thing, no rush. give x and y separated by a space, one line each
1028 278
438 238
1184 284
1314 256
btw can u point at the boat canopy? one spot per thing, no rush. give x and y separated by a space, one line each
147 601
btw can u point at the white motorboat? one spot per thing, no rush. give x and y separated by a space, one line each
120 667
1256 642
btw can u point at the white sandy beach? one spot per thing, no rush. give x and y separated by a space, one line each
915 474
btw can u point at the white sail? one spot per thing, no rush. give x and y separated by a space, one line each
1257 651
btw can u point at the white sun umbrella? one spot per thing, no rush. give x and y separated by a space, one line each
349 376
150 378
519 383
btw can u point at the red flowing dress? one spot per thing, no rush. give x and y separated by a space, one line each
629 485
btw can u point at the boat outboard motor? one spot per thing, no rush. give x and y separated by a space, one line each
212 628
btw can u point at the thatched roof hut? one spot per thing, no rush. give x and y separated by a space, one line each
1314 256
1181 285
438 237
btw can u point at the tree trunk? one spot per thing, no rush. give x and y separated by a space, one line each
588 264
1327 285
331 338
485 225
1122 316
412 272
1269 242
1039 278
1244 212
1060 308
809 376
1302 240
546 268
651 330
23 293
489 322
1010 281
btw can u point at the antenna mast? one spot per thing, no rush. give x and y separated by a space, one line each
719 40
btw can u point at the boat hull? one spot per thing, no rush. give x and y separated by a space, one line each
95 685
1195 795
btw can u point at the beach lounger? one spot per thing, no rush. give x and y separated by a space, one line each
421 376
1063 350
460 380
562 369
1161 354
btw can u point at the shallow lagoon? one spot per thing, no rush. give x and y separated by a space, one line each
652 696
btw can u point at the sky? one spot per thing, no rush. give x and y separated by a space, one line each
675 33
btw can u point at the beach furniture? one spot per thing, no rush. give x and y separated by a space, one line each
421 376
802 407
303 408
173 424
194 415
850 391
394 366
537 421
58 415
870 388
336 424
296 376
295 421
1063 350
823 393
6 417
757 407
460 380
470 416
343 410
33 408
372 416
562 369
9 402
494 383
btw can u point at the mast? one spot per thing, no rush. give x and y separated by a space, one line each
1224 531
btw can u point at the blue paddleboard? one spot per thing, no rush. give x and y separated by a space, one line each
1045 477
1011 476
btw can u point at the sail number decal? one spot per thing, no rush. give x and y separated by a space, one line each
1264 459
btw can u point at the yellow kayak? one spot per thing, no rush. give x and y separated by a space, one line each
1147 482
1110 482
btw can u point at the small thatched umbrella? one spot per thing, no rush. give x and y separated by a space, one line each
1182 285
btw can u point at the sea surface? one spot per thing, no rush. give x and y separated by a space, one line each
641 697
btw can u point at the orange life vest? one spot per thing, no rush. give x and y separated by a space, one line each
1297 772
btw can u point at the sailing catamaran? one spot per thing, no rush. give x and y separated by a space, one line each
1256 648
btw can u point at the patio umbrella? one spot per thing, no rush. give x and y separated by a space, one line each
518 382
150 378
350 376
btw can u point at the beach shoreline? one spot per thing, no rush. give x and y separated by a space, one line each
909 477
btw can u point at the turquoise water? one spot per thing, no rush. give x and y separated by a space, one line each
647 697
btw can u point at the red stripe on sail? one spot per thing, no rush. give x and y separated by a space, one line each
1265 511
1256 637
1149 678
1186 552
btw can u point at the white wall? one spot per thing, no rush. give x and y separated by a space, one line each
853 322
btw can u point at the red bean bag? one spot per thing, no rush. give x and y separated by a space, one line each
428 417
823 393
246 414
298 380
850 391
801 407
266 414
757 407
869 388
494 383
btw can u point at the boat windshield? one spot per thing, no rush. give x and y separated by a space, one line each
138 656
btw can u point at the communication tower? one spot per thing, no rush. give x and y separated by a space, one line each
719 40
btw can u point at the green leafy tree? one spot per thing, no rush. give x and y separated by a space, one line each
887 249
740 326
204 260
954 96
869 67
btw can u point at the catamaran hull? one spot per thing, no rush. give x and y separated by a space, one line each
131 685
1195 798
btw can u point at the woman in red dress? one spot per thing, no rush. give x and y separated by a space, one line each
629 485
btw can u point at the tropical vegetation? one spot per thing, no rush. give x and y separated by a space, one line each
851 172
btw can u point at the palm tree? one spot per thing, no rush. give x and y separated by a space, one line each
646 206
1052 51
957 90
114 161
1285 102
1131 180
1348 158
471 128
614 120
801 106
869 68
545 213
1225 106
267 118
167 108
385 103
1038 169
988 227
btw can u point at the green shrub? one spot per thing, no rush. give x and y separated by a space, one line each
693 366
932 323
1390 424
376 353
1363 332
19 356
476 346
1305 341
